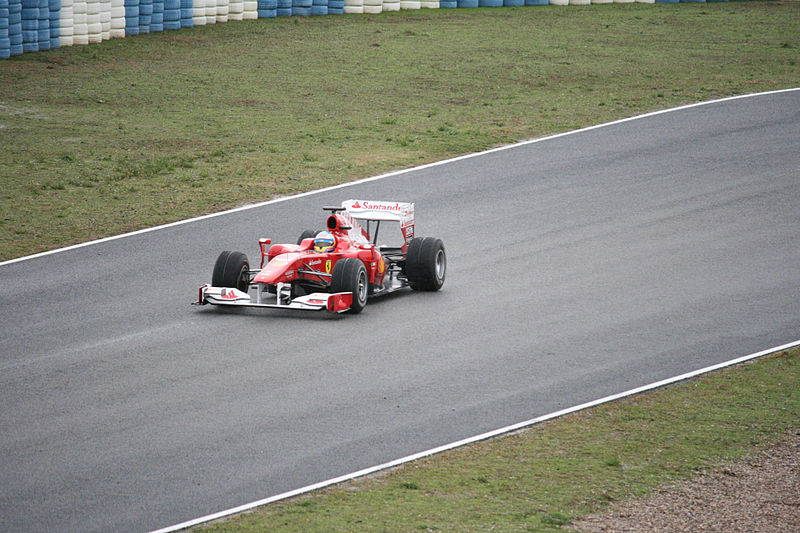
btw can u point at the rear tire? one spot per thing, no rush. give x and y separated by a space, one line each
231 270
350 275
426 264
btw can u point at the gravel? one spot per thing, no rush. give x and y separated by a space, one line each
758 493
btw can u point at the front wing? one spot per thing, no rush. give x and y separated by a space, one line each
319 301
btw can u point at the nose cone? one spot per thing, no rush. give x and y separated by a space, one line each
281 269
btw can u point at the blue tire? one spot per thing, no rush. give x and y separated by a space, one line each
172 14
157 17
267 9
15 35
145 15
187 12
30 41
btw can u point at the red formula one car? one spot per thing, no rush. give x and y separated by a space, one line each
336 269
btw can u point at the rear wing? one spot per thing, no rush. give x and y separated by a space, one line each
383 211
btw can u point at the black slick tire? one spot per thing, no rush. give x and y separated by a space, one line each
426 264
231 270
350 275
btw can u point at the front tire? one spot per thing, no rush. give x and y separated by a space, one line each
231 270
426 264
350 275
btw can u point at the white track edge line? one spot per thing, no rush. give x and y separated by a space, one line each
387 175
470 440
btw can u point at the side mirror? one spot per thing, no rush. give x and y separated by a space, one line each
264 243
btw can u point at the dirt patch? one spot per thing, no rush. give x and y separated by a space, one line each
759 493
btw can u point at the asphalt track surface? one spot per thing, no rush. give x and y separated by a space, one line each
578 267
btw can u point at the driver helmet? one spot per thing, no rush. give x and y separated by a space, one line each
324 242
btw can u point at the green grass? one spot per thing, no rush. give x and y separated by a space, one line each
553 473
102 139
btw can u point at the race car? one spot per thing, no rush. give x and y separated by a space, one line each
336 269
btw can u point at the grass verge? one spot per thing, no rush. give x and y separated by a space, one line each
102 139
543 478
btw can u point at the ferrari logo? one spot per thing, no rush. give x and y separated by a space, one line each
328 266
381 266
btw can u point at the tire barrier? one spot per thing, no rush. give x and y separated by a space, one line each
199 13
236 10
211 11
319 8
65 23
250 10
267 9
36 25
5 33
54 23
14 27
301 8
43 31
353 7
94 27
157 18
80 32
187 12
30 25
105 20
131 17
117 18
172 15
145 15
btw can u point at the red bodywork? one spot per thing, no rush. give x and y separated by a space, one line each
286 263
